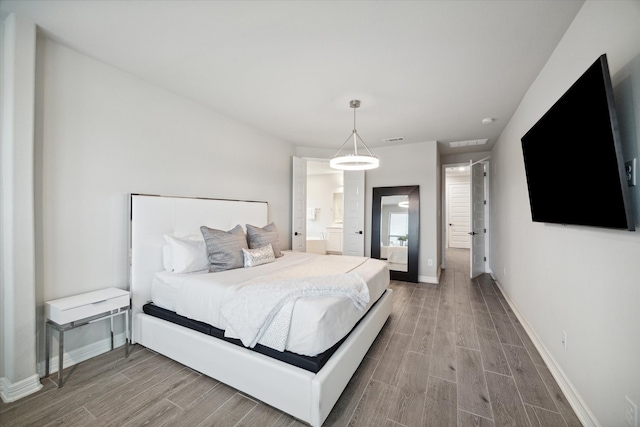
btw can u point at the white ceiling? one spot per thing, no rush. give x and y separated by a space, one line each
424 70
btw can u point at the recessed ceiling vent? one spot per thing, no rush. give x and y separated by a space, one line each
468 143
396 139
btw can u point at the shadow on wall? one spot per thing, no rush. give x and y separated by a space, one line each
627 98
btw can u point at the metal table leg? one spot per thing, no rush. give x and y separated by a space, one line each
72 325
47 346
126 333
60 355
111 321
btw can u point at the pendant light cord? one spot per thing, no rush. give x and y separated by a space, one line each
355 135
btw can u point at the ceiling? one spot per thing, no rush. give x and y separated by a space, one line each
423 70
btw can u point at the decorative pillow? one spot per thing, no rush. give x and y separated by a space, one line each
185 254
263 255
259 237
224 248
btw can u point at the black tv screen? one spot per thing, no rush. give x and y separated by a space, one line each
573 158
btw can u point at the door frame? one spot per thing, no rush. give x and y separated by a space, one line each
353 230
298 237
475 269
443 213
363 202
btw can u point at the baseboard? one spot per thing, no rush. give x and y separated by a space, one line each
573 397
431 279
10 392
81 354
428 279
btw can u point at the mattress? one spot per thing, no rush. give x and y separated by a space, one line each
318 323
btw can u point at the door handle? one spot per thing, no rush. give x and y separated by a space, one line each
472 233
359 232
297 234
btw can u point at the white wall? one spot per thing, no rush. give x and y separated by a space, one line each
101 134
584 281
320 189
412 164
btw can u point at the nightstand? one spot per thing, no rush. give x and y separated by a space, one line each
72 312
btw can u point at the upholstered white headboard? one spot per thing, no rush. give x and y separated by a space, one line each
154 216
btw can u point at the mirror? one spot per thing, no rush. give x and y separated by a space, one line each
395 230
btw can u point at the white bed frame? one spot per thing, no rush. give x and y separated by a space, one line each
300 393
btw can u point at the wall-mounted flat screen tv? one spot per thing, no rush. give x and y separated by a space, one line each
573 158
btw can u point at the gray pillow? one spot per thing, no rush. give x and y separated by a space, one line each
224 248
259 237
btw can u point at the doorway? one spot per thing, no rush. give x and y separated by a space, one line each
465 213
457 207
325 208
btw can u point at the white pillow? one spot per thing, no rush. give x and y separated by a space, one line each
166 258
187 253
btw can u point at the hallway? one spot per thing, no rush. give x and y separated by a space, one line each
455 354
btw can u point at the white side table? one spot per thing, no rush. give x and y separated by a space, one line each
72 312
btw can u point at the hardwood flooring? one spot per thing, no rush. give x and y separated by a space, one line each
451 354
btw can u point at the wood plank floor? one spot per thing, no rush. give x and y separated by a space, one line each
452 354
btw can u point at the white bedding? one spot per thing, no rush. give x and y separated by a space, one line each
317 323
394 254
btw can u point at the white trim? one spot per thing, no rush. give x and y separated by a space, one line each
10 392
431 279
428 279
587 418
81 354
471 163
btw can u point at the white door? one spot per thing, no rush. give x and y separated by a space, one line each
299 205
459 215
478 229
353 223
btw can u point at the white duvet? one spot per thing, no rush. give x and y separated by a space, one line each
317 322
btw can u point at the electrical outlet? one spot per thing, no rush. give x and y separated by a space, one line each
430 262
630 413
564 340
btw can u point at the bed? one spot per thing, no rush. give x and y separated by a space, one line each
396 256
306 394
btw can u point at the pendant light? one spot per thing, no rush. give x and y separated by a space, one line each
356 161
